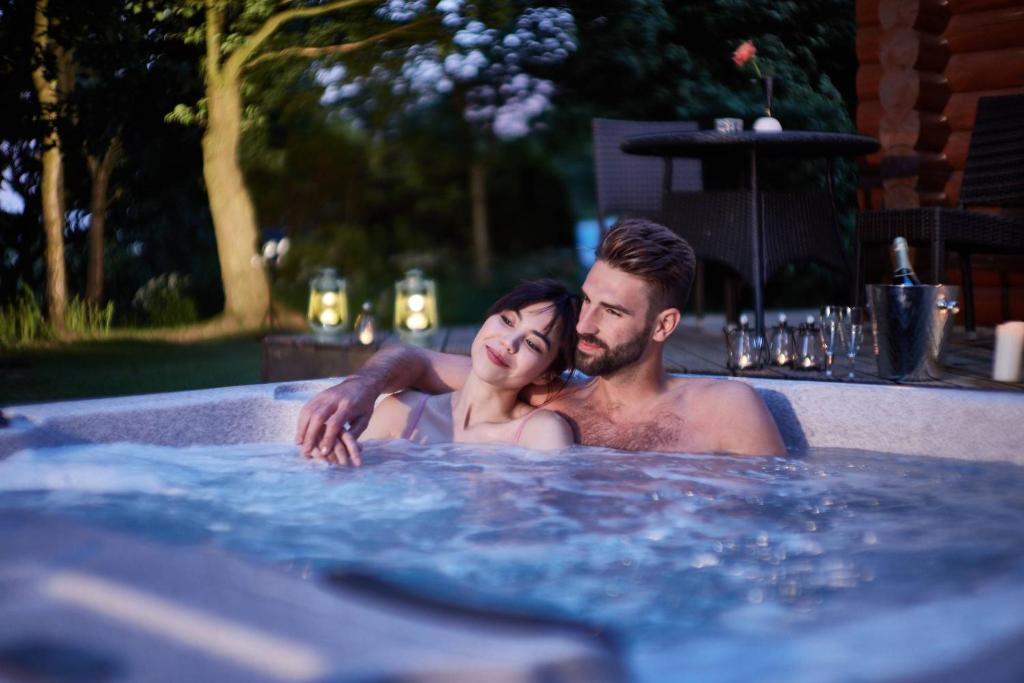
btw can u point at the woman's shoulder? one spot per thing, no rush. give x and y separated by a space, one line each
391 414
546 430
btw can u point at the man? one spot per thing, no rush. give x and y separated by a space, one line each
632 302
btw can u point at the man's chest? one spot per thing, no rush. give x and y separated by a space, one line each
656 428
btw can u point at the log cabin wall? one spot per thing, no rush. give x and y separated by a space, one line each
923 64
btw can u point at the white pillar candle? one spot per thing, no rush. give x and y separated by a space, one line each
1009 347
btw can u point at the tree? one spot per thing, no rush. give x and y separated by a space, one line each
238 36
50 77
496 75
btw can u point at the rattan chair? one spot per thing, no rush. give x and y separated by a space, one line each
993 177
630 185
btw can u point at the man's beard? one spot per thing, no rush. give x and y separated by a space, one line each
612 359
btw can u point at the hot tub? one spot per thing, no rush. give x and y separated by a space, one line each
889 545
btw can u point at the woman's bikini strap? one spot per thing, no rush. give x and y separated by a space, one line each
519 430
414 418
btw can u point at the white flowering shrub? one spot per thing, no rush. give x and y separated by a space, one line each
492 64
164 302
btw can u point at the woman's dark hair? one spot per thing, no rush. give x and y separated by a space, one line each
565 306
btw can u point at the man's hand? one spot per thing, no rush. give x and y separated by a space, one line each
331 421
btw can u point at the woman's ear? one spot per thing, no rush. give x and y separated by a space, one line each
665 324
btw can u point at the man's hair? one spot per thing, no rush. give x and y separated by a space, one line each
565 308
652 253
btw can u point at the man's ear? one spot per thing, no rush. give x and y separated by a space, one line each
665 324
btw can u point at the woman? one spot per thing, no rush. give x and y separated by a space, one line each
529 337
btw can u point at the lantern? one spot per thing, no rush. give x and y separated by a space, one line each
415 308
328 303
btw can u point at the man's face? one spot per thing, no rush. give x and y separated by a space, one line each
615 323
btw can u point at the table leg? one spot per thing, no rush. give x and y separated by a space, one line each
757 249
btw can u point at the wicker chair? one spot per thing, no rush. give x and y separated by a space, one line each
993 177
630 185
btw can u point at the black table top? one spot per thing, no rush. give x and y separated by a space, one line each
787 143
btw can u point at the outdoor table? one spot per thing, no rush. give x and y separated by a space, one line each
747 146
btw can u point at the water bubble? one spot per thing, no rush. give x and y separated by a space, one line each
705 560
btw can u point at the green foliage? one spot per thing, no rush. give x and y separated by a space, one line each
88 320
164 302
188 116
22 322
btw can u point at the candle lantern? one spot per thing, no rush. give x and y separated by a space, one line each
743 351
365 328
808 346
328 303
415 308
782 344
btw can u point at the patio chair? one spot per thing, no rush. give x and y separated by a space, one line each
993 178
630 185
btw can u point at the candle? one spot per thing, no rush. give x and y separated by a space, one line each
329 317
1009 345
417 321
744 361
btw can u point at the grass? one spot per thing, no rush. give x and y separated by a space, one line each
119 367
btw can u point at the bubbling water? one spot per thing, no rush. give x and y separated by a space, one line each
708 567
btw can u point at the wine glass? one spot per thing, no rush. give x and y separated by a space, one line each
831 319
852 330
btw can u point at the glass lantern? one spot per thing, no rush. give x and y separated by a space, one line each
808 346
415 308
782 344
328 303
743 352
365 328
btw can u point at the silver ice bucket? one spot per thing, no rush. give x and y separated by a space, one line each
910 325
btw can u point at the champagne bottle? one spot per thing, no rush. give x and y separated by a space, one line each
903 273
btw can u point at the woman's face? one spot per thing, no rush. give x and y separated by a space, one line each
512 349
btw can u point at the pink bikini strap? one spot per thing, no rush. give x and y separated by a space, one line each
415 417
519 430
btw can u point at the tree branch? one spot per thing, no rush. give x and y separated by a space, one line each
214 30
242 54
344 48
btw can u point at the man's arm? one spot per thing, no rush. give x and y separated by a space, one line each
323 418
745 425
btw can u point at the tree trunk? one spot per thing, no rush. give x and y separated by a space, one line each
100 169
246 293
52 181
481 229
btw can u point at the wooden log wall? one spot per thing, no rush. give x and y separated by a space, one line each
923 64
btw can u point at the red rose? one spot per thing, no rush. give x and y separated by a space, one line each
744 53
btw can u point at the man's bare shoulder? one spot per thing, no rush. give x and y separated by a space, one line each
729 413
712 393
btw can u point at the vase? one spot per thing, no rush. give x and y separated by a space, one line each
768 123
